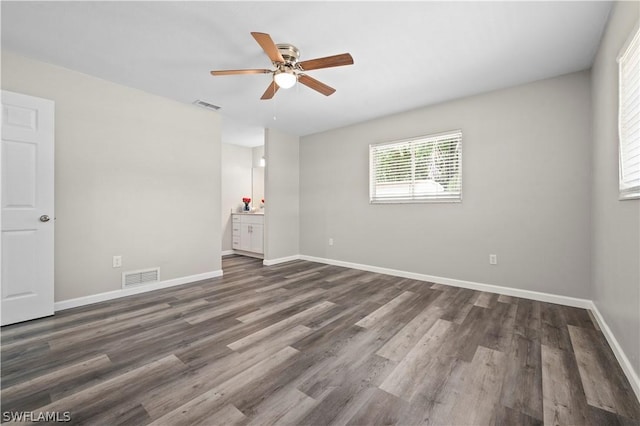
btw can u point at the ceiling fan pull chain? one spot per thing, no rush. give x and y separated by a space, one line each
275 110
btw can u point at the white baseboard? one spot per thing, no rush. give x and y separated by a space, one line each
271 262
507 291
227 252
624 362
109 295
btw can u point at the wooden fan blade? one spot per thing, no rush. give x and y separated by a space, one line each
233 72
315 84
271 90
328 62
269 47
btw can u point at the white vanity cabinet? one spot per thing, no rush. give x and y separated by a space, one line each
248 232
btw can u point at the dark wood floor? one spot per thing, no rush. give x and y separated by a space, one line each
305 343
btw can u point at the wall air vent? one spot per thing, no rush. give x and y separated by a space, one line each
145 276
205 104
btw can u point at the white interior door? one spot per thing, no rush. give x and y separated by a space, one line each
27 207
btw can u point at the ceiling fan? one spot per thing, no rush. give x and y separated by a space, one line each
288 70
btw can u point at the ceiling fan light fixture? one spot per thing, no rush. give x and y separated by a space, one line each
285 79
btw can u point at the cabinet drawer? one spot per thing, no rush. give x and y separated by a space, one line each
235 218
236 244
254 218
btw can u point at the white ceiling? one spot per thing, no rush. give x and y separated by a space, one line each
407 54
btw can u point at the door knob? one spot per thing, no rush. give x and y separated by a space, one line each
44 218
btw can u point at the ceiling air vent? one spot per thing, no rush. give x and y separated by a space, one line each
206 105
144 276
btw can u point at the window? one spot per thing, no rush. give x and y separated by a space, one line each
629 117
423 169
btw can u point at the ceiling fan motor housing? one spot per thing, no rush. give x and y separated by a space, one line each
289 52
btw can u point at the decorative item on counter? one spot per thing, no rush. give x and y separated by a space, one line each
246 201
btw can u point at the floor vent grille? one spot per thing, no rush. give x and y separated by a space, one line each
144 276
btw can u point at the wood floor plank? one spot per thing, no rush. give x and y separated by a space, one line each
432 391
346 273
222 309
595 365
285 407
509 417
599 417
347 295
407 376
227 415
303 343
162 400
56 378
340 405
382 408
35 364
332 332
522 385
475 392
564 402
528 314
378 314
168 339
350 353
464 343
486 300
436 286
265 311
400 344
82 332
91 402
291 282
281 325
594 321
578 317
198 409
77 317
506 299
499 332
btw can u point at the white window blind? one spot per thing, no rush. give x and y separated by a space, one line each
423 169
629 117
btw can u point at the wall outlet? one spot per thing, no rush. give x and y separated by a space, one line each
493 259
117 261
330 241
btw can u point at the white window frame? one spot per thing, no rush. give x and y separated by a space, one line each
411 196
629 53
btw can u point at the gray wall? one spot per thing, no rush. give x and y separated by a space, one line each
281 207
616 224
258 153
236 184
136 175
257 184
526 165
